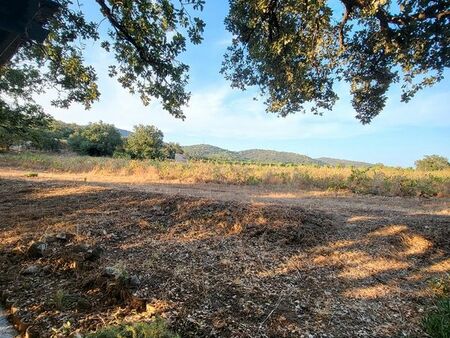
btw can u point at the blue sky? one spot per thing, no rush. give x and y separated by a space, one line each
231 119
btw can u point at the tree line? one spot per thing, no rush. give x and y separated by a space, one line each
95 139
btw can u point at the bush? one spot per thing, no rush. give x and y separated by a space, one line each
156 329
432 162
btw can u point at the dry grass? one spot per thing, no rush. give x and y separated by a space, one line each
221 268
385 181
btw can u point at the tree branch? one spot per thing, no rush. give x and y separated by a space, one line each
120 29
438 11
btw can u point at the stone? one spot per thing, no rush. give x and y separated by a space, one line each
37 249
83 303
134 281
64 236
110 271
31 270
93 254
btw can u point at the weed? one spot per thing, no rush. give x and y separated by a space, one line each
60 300
156 329
437 322
63 331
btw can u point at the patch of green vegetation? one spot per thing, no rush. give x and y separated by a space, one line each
156 329
437 322
60 300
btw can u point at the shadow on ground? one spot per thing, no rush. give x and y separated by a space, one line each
222 268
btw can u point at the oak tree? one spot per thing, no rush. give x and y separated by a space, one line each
296 50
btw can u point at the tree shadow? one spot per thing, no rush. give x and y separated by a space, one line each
227 268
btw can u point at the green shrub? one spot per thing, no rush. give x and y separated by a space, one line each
432 162
437 321
156 329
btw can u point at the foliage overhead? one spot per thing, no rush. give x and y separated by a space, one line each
294 51
146 142
145 37
432 162
96 139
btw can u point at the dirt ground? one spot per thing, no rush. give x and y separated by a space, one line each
217 261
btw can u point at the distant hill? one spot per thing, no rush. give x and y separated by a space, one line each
206 151
123 132
272 156
336 162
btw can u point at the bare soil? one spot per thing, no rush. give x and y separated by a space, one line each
218 261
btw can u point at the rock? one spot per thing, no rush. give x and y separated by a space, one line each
31 270
93 254
80 248
64 236
47 268
111 271
83 304
134 281
37 249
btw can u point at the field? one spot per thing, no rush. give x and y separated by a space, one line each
385 181
133 241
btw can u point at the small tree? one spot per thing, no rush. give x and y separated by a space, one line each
432 162
146 142
97 139
170 149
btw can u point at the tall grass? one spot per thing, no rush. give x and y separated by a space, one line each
375 180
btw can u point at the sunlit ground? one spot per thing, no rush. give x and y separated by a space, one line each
339 265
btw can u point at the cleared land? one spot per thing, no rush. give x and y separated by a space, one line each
217 260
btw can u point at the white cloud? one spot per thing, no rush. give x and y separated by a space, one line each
219 112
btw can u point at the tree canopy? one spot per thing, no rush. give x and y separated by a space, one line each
294 51
96 139
146 142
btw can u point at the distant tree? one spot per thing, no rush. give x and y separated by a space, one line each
19 123
170 149
146 142
96 139
432 162
63 130
45 139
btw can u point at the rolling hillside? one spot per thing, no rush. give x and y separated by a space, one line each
271 156
206 151
336 161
